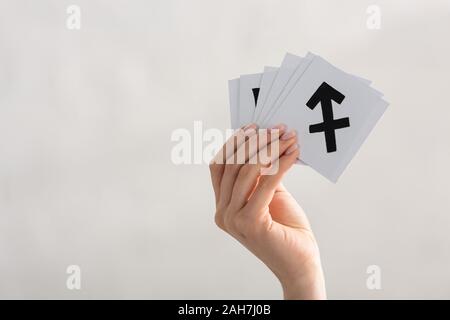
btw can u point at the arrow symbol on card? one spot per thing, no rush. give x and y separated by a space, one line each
325 94
255 95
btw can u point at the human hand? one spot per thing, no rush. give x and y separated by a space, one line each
260 213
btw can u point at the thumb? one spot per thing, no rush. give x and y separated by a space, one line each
285 210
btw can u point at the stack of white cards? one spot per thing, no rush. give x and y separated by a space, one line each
332 111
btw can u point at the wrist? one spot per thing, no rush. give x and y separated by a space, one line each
309 285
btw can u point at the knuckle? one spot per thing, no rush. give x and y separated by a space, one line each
251 227
243 224
229 223
218 219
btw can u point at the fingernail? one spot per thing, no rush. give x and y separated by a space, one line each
249 132
288 135
249 129
249 126
280 127
291 149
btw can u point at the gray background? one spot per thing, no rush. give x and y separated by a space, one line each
86 176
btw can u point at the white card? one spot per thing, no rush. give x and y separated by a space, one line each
233 91
349 118
287 69
248 97
266 84
306 62
282 93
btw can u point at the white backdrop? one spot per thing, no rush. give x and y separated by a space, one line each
86 176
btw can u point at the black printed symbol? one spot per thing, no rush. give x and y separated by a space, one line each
255 94
325 94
